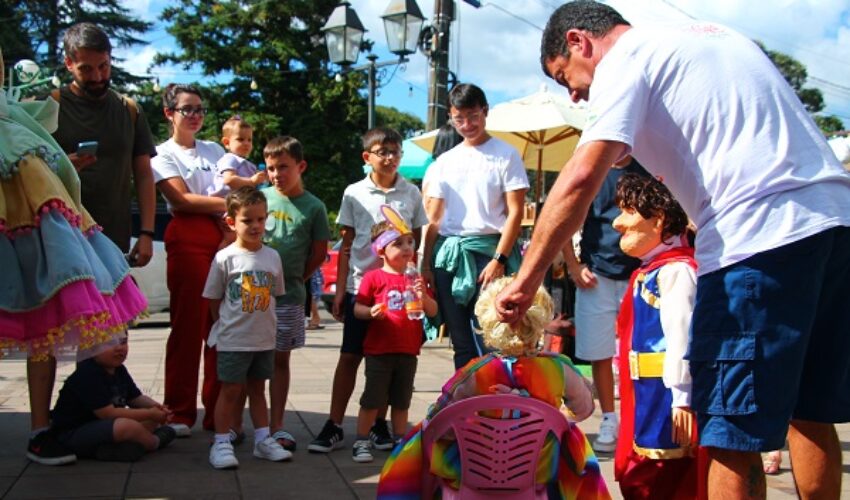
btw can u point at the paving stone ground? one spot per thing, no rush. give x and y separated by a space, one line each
182 470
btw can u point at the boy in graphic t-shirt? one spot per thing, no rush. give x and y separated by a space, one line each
244 279
392 339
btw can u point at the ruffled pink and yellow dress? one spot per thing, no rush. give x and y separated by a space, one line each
64 284
567 467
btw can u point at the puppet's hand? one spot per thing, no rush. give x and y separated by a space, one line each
684 424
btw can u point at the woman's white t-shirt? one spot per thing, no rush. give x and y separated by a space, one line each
196 166
473 181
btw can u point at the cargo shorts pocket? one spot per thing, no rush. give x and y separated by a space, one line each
722 366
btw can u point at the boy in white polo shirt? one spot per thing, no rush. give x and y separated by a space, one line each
360 209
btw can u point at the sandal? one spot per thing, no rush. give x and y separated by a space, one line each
285 439
772 462
315 327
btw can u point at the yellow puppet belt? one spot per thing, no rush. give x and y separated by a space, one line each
646 364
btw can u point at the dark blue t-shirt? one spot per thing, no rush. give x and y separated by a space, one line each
600 243
91 388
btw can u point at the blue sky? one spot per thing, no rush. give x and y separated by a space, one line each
496 46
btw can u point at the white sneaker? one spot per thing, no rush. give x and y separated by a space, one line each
222 457
606 440
181 430
269 449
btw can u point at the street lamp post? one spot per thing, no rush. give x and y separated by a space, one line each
344 36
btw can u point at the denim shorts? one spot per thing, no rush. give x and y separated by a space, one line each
769 343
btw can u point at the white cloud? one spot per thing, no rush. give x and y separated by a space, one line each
137 60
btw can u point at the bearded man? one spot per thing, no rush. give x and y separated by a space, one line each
89 112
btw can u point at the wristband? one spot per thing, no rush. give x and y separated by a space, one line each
500 258
147 232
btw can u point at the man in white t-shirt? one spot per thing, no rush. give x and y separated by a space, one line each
709 114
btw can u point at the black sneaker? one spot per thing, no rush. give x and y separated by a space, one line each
380 436
45 449
361 452
125 451
331 438
165 434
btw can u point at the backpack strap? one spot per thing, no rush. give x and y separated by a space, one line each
129 103
132 108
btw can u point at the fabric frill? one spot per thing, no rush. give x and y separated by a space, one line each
65 285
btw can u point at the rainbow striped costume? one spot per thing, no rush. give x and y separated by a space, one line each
568 468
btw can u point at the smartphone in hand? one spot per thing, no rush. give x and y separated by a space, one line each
88 148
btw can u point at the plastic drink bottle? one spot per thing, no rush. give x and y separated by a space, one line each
412 301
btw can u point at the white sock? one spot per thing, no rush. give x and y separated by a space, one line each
260 434
222 438
610 415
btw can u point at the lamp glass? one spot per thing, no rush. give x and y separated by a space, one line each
402 33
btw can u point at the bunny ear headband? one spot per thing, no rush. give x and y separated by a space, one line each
387 237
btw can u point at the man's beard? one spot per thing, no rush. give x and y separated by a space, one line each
91 90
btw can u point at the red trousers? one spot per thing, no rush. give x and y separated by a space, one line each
191 242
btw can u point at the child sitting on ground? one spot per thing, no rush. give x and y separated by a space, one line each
234 170
392 338
244 279
102 414
657 450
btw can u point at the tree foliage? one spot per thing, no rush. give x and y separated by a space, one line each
278 45
406 124
795 74
34 28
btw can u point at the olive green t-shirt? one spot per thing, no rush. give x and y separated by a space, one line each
293 224
106 184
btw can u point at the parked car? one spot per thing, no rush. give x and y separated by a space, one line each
151 279
329 275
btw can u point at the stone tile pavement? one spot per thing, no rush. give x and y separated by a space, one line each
182 470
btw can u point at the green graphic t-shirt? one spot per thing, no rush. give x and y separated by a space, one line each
292 226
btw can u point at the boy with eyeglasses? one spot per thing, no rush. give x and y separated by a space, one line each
359 210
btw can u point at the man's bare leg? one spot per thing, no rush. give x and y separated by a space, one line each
40 378
735 475
815 459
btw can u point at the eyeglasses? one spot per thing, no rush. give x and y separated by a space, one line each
460 120
190 111
387 153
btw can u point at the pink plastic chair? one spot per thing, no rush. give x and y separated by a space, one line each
498 456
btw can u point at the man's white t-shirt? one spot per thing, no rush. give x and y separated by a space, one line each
473 181
702 107
247 283
196 166
361 209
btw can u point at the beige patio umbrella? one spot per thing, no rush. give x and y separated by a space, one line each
544 128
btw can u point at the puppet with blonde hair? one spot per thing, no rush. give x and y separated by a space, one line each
567 465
